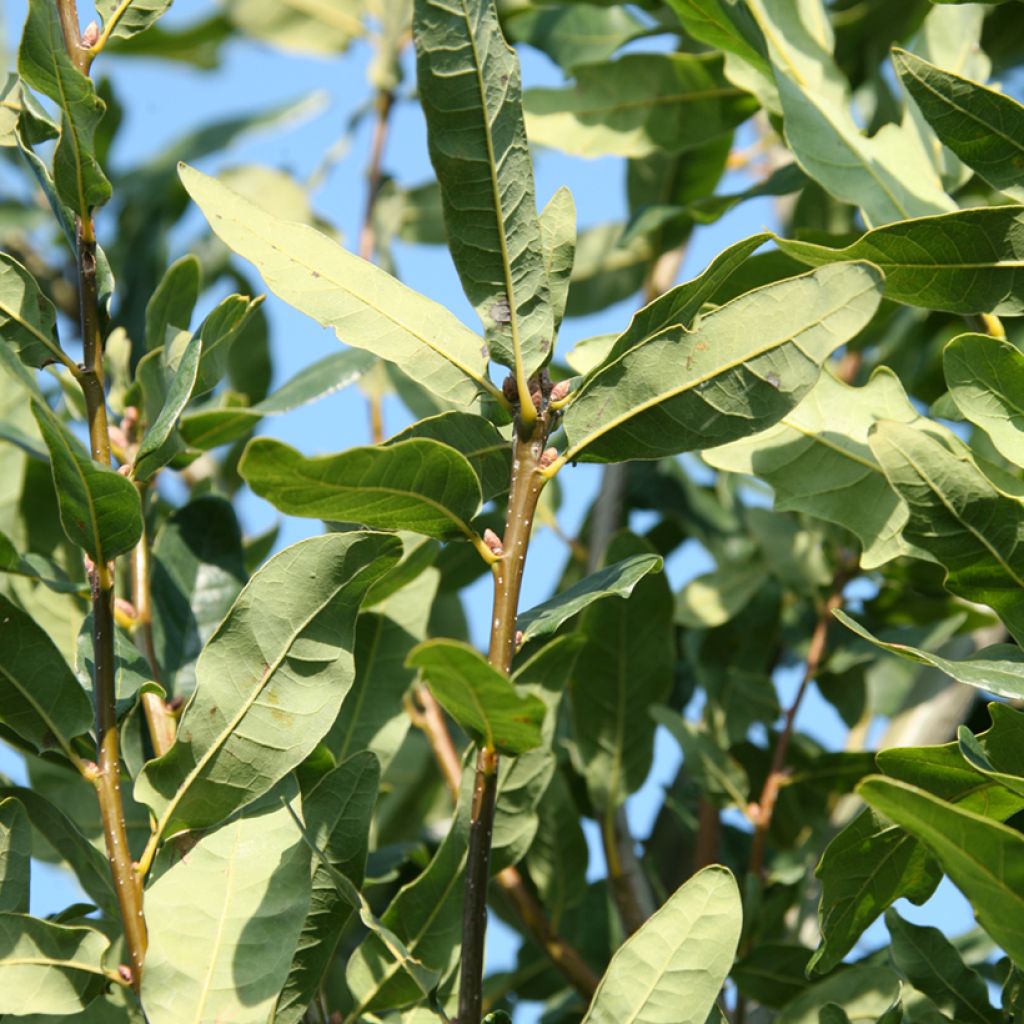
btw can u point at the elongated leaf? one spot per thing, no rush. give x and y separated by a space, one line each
678 959
36 567
218 332
984 128
366 307
984 376
616 580
996 669
931 963
576 34
478 439
861 993
158 445
983 858
99 509
959 517
170 307
28 320
741 369
15 856
967 262
478 148
889 175
44 63
817 460
337 814
624 666
996 752
136 17
224 918
558 236
640 104
419 485
479 697
40 699
724 26
49 968
268 687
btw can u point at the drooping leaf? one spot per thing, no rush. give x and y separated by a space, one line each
224 916
478 439
932 964
28 320
983 858
40 699
337 814
366 307
740 370
99 509
965 262
36 567
984 128
44 63
640 104
678 959
134 17
818 461
479 697
15 856
996 669
268 687
616 580
861 993
419 485
958 516
889 175
479 150
47 967
558 237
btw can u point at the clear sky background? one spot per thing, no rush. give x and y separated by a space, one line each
163 101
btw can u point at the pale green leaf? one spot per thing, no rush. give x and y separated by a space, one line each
967 262
558 236
470 89
715 597
366 307
224 914
640 104
673 967
133 16
15 856
724 25
739 370
860 993
578 33
28 320
420 485
270 680
319 27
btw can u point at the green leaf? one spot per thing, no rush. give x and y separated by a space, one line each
679 958
967 262
169 309
478 148
420 485
616 580
224 915
268 687
818 461
997 669
208 428
984 128
366 307
860 993
715 597
15 856
28 320
579 33
772 973
49 968
44 63
479 697
984 375
739 370
337 812
958 516
36 567
322 29
133 18
218 332
624 666
726 26
889 175
478 439
640 104
996 752
99 509
983 858
40 699
558 236
159 445
932 964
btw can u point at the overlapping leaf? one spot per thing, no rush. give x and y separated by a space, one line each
15 856
134 17
28 319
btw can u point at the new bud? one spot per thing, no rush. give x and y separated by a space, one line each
91 35
560 390
493 542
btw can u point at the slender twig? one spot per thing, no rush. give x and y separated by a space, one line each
68 12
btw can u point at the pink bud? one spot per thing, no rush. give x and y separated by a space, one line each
118 437
126 973
560 390
130 417
91 34
126 607
125 470
547 457
493 542
519 639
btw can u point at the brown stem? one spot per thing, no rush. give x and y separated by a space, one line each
431 721
159 718
709 830
68 13
629 887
